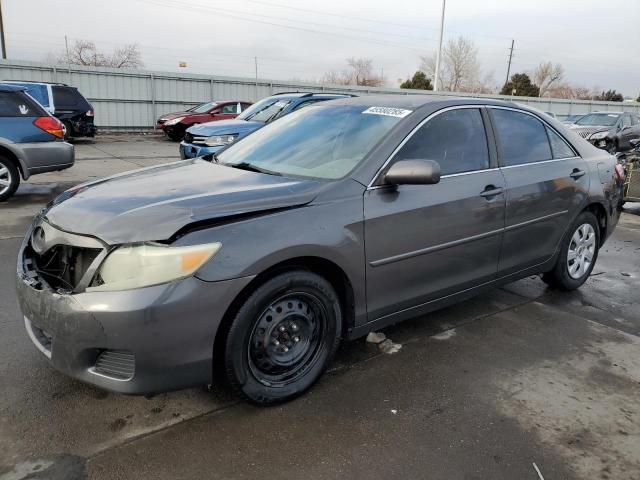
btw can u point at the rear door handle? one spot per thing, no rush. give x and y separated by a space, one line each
490 191
576 174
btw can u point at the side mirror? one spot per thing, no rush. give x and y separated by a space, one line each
413 172
215 112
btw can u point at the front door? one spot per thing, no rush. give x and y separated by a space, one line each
424 242
547 182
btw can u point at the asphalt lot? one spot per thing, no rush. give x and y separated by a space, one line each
484 389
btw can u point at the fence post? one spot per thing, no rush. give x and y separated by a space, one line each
154 108
55 75
211 89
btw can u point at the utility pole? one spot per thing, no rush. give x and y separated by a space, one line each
255 64
2 40
509 65
66 46
439 54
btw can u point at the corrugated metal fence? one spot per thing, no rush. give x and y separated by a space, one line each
134 99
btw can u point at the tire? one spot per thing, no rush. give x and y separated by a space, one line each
573 266
283 337
67 131
9 178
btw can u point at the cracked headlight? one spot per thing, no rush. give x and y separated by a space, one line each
146 264
599 136
216 140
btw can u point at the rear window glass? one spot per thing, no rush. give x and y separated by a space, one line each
521 137
39 92
68 98
19 104
559 147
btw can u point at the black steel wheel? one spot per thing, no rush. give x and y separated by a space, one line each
283 337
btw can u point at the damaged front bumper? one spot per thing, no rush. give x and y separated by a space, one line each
139 341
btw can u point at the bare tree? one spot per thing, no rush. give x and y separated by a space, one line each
459 67
547 74
360 71
84 52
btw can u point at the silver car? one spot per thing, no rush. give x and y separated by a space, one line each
339 219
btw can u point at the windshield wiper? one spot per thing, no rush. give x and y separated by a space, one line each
252 168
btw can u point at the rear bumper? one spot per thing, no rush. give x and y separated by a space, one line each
190 150
41 157
166 331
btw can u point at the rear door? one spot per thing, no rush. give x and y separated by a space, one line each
424 242
546 184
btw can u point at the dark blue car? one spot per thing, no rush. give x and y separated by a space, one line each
30 140
210 137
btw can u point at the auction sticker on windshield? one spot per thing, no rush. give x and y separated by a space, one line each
389 111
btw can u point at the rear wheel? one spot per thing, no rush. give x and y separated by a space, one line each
9 178
67 131
283 337
578 254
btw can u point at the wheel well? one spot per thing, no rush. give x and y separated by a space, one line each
321 266
601 215
5 152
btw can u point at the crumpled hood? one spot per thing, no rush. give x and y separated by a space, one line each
154 203
224 127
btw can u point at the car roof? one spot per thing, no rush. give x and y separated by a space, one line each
608 112
416 101
11 88
294 95
33 82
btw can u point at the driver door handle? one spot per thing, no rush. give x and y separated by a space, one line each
576 174
490 191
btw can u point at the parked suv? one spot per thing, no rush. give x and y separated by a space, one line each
611 131
175 124
30 140
211 137
340 218
64 102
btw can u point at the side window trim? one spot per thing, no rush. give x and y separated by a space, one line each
545 124
388 162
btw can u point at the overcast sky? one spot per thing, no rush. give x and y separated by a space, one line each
597 42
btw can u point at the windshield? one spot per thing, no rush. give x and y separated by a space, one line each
264 110
604 119
320 141
203 107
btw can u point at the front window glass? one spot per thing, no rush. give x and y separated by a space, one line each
598 119
202 108
455 139
319 141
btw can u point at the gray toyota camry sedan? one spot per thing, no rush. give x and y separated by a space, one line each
339 219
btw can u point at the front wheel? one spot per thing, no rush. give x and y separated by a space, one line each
283 337
578 254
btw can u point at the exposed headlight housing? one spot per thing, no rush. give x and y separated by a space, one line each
218 140
599 136
174 121
146 264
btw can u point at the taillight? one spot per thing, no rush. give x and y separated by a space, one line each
50 125
619 172
89 113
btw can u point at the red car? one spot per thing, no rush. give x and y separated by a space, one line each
175 124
